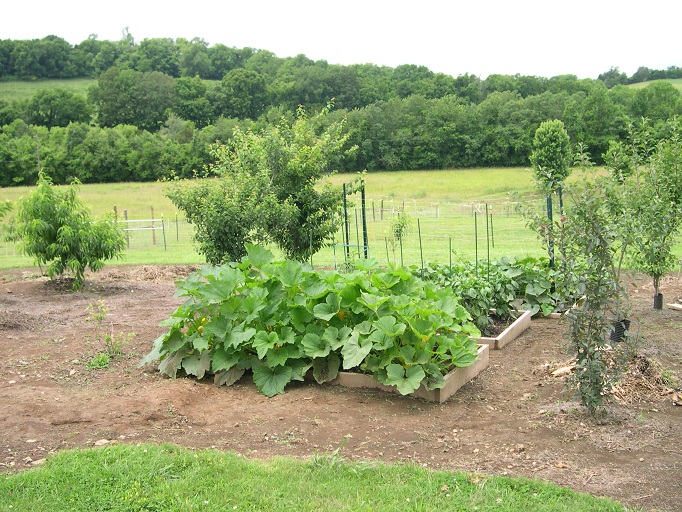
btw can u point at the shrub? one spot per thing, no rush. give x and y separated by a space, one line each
268 189
56 229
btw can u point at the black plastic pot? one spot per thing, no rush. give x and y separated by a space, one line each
619 328
658 301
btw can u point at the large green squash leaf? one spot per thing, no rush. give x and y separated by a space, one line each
326 369
280 355
380 341
336 337
327 309
390 326
300 317
405 380
197 365
355 350
224 360
218 326
434 378
315 346
299 367
271 381
371 301
239 335
264 341
228 377
290 273
222 283
257 255
314 287
172 363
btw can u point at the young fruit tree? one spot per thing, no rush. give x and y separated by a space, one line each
268 190
55 228
653 194
551 160
592 240
5 206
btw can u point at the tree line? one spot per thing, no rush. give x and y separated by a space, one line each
53 57
155 110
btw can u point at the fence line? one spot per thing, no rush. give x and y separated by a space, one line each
436 232
439 232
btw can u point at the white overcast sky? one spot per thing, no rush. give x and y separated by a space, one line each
530 37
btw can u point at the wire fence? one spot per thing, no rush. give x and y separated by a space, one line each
438 232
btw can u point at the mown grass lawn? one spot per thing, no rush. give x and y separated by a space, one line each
170 478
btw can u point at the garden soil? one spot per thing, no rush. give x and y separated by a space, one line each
515 418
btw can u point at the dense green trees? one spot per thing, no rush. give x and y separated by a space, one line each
124 96
54 57
56 107
192 101
401 133
406 117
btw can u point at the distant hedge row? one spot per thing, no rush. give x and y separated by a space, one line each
159 104
410 133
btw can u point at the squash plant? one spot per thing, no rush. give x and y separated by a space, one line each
282 319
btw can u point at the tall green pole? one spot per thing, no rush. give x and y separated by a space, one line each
345 223
365 240
550 240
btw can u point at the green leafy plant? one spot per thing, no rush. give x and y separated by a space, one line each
269 188
551 157
551 160
593 239
56 229
99 362
474 292
332 460
653 196
5 206
401 225
506 285
111 343
282 319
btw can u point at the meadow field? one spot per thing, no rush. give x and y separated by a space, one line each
451 214
23 90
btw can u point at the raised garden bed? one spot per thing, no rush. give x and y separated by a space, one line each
512 332
453 380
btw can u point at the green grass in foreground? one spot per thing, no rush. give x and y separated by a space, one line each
168 478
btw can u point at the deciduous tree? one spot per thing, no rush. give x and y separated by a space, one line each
267 191
55 228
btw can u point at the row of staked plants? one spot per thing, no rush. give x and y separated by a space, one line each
282 320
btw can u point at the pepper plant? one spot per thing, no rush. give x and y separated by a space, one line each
282 319
506 286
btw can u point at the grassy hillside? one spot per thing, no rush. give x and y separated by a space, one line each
677 82
16 90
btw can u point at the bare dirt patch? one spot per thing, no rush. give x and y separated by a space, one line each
514 419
